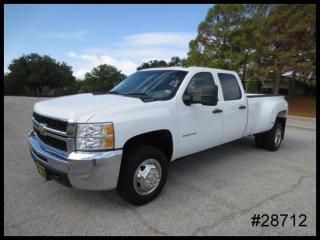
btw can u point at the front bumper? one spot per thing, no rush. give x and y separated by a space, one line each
82 170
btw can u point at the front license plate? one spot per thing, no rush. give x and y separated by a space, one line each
42 171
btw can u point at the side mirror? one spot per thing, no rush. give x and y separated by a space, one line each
209 95
187 99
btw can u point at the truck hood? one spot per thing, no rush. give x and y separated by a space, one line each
81 107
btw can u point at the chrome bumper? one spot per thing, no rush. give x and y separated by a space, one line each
84 170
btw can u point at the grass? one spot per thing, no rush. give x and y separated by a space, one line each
303 106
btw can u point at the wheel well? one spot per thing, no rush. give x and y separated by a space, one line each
282 118
282 114
161 139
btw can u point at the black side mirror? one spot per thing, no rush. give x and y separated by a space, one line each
209 95
187 99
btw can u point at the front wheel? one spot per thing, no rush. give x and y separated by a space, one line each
143 174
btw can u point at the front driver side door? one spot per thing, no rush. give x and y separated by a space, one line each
200 126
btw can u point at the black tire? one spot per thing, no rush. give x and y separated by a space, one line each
270 140
270 137
131 161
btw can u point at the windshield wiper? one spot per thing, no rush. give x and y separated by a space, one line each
113 92
138 93
141 94
109 92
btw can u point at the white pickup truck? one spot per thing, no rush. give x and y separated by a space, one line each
124 139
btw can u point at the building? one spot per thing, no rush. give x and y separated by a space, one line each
300 87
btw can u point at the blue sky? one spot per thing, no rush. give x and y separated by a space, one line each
86 35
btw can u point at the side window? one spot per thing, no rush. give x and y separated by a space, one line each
230 86
198 81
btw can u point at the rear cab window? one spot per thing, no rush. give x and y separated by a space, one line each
230 86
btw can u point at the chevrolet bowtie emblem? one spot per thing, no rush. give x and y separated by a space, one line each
42 129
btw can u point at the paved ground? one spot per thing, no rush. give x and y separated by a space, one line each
302 122
214 192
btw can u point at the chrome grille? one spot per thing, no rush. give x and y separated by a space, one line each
51 141
51 123
54 134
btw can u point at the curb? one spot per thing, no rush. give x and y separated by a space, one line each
297 126
301 118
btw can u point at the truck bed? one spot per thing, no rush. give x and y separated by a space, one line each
262 111
256 95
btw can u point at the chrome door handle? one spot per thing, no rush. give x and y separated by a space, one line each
217 110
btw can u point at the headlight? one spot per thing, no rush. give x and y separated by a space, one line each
97 136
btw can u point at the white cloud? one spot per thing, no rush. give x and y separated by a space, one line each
144 53
132 50
91 61
79 74
173 39
154 45
125 65
72 54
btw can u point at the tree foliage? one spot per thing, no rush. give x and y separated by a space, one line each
175 61
152 64
34 72
101 78
287 42
257 40
224 38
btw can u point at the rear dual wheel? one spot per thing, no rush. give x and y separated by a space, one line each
270 140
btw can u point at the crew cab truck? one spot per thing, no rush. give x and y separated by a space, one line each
124 139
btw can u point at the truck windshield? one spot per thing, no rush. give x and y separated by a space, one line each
155 84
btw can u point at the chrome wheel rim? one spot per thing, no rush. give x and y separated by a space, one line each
278 134
147 177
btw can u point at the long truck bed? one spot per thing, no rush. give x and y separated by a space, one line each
263 108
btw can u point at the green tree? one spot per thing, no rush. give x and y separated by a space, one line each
287 42
12 87
34 72
73 88
77 85
152 64
175 61
259 41
225 38
101 78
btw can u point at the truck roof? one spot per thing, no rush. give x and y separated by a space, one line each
193 68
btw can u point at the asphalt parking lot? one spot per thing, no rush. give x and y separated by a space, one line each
214 192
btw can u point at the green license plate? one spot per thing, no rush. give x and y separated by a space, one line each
42 171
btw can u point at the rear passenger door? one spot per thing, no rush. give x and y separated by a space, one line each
235 107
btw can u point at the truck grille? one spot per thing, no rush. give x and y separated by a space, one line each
50 141
54 133
51 123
